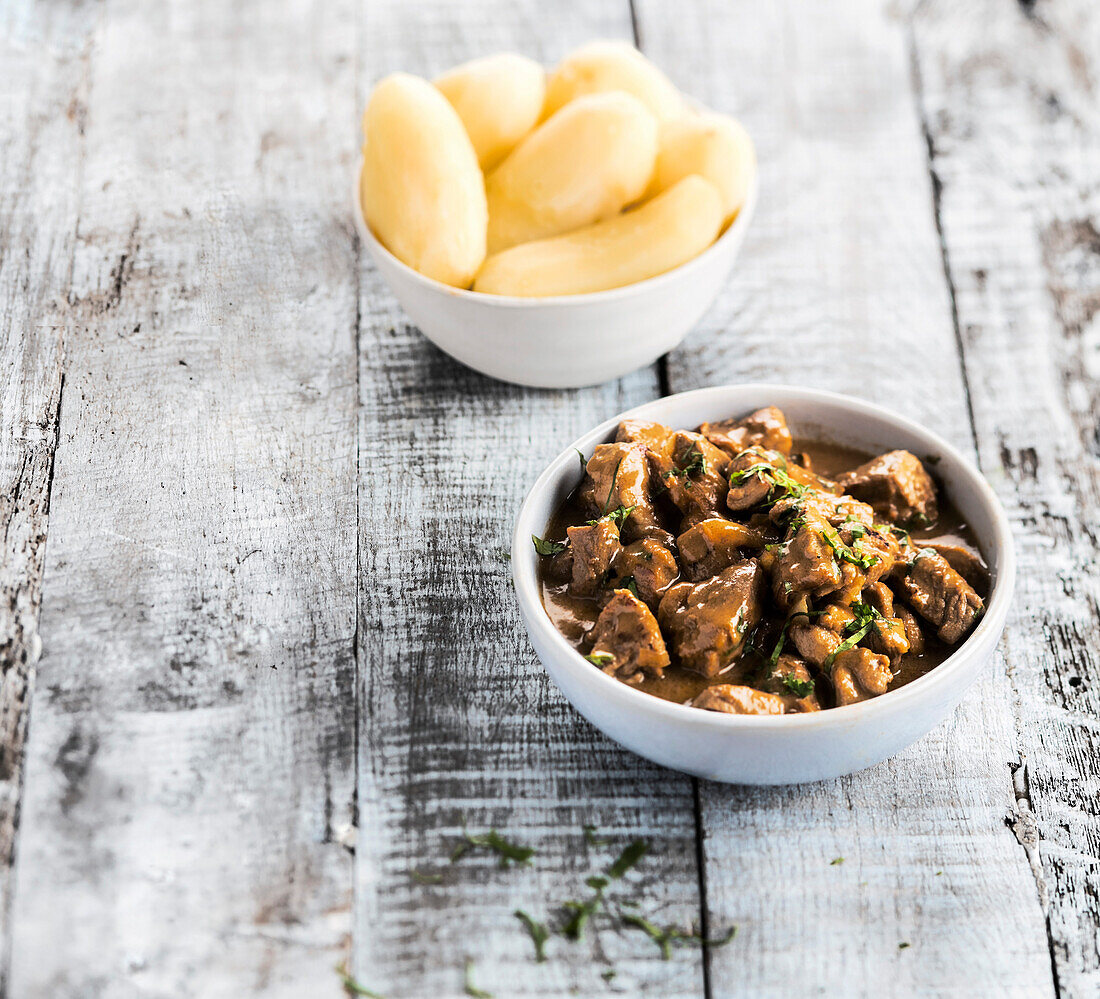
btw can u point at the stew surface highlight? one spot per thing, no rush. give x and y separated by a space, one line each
738 570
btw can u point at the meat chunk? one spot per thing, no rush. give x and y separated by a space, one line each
693 471
804 565
896 485
888 635
626 641
766 428
859 674
618 477
790 679
652 568
752 478
714 544
595 547
818 637
913 634
707 622
652 435
965 561
732 699
940 595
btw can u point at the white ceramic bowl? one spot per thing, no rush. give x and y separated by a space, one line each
568 340
761 749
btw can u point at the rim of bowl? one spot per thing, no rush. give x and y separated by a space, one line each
737 226
525 580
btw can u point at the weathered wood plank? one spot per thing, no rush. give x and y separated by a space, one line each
191 754
1009 94
841 286
458 719
44 51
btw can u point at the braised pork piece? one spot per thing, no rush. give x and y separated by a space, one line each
739 570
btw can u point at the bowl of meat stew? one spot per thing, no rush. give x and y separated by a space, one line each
763 584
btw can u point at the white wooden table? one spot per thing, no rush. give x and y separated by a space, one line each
260 652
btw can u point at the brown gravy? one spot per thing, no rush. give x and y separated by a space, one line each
574 616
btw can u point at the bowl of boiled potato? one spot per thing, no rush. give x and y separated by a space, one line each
552 228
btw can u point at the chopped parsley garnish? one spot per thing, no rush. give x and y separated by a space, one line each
628 584
693 462
856 630
611 491
547 547
573 928
836 861
902 945
775 478
665 937
538 932
620 513
468 983
800 688
600 659
507 851
773 659
923 553
591 839
353 988
632 853
898 532
661 937
584 461
846 554
608 975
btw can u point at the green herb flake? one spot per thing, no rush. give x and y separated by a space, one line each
902 945
591 839
777 651
611 491
547 547
631 854
800 688
538 932
508 852
628 583
468 983
425 879
866 618
661 937
573 928
583 460
600 659
354 988
608 975
836 861
846 554
620 513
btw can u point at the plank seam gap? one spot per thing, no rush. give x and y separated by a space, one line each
1021 797
937 215
701 871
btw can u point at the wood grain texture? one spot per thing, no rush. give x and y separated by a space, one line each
458 720
1009 95
840 279
191 754
44 52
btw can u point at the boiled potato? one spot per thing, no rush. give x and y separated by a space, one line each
422 192
586 163
711 145
611 65
499 99
663 233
